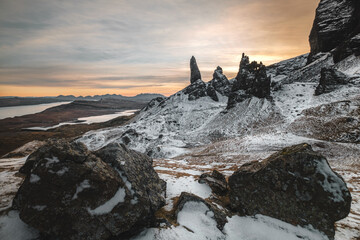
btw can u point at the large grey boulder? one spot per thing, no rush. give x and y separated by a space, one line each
295 185
72 193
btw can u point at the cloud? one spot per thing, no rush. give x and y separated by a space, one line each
72 42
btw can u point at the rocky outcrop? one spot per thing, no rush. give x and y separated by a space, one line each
220 82
197 87
295 185
330 80
336 23
216 181
251 80
194 70
200 89
347 48
72 193
218 215
154 102
129 135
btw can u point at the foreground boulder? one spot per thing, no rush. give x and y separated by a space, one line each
330 79
213 211
295 185
72 193
216 182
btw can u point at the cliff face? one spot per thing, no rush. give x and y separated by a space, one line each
336 28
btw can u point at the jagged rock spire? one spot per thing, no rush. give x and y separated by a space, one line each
220 82
243 65
251 80
195 72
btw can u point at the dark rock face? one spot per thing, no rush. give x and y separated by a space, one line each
216 181
295 185
251 80
237 97
336 22
351 46
330 79
72 193
154 102
220 82
197 89
219 216
200 89
129 136
195 72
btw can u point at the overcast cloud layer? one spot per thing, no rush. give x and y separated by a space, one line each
133 46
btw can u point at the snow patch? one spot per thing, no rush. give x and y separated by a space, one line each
83 185
129 186
196 223
108 206
62 171
39 207
262 227
34 178
12 228
51 161
332 183
197 217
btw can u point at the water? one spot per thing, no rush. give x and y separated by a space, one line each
107 117
88 120
16 111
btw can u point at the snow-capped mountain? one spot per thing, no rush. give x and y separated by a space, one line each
193 116
259 100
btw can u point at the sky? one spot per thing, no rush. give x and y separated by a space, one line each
89 47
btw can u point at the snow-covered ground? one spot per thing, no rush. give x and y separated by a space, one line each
187 138
192 137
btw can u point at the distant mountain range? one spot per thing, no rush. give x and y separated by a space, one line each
19 101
